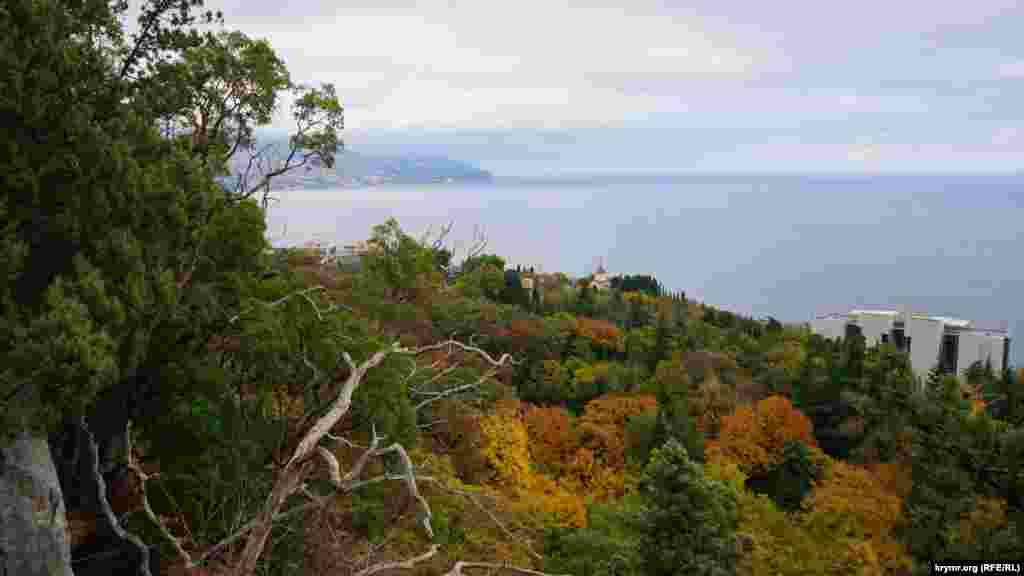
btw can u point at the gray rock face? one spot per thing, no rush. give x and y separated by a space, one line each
33 539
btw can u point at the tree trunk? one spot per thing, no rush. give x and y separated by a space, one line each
33 539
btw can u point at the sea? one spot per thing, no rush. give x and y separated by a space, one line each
788 246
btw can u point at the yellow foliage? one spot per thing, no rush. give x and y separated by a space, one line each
639 297
727 471
564 508
846 526
602 425
850 502
600 333
784 546
894 477
988 514
788 356
505 446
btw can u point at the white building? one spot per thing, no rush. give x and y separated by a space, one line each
953 343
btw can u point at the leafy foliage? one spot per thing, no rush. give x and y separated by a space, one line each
755 437
609 544
689 521
850 504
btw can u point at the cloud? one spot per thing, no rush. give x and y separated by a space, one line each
476 64
796 81
1009 137
1011 69
870 157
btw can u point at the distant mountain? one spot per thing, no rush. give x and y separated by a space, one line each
355 170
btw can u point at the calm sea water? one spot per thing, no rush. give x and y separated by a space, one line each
781 245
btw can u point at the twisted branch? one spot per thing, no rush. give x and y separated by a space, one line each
403 565
105 504
458 567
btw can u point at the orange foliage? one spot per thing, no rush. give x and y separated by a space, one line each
755 437
553 441
598 466
850 502
894 477
599 332
602 425
780 423
521 332
505 446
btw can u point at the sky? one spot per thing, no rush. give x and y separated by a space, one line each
531 87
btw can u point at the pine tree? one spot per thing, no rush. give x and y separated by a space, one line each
689 523
661 338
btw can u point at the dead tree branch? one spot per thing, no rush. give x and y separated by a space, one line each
101 487
291 477
490 514
143 478
460 565
435 396
504 360
304 294
403 565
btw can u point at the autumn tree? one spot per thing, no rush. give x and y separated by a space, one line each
505 447
553 441
850 503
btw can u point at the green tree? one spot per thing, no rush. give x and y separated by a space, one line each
398 264
123 257
473 263
512 292
607 546
661 343
688 524
673 417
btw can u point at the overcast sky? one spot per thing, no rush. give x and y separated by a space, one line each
529 87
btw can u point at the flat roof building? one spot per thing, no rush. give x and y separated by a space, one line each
952 343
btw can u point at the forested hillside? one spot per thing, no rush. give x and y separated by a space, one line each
176 398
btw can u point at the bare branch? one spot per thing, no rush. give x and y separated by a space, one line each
505 359
340 405
490 514
101 487
290 478
416 389
333 468
410 483
431 424
460 565
320 312
403 565
357 469
143 478
479 243
344 441
213 550
434 396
